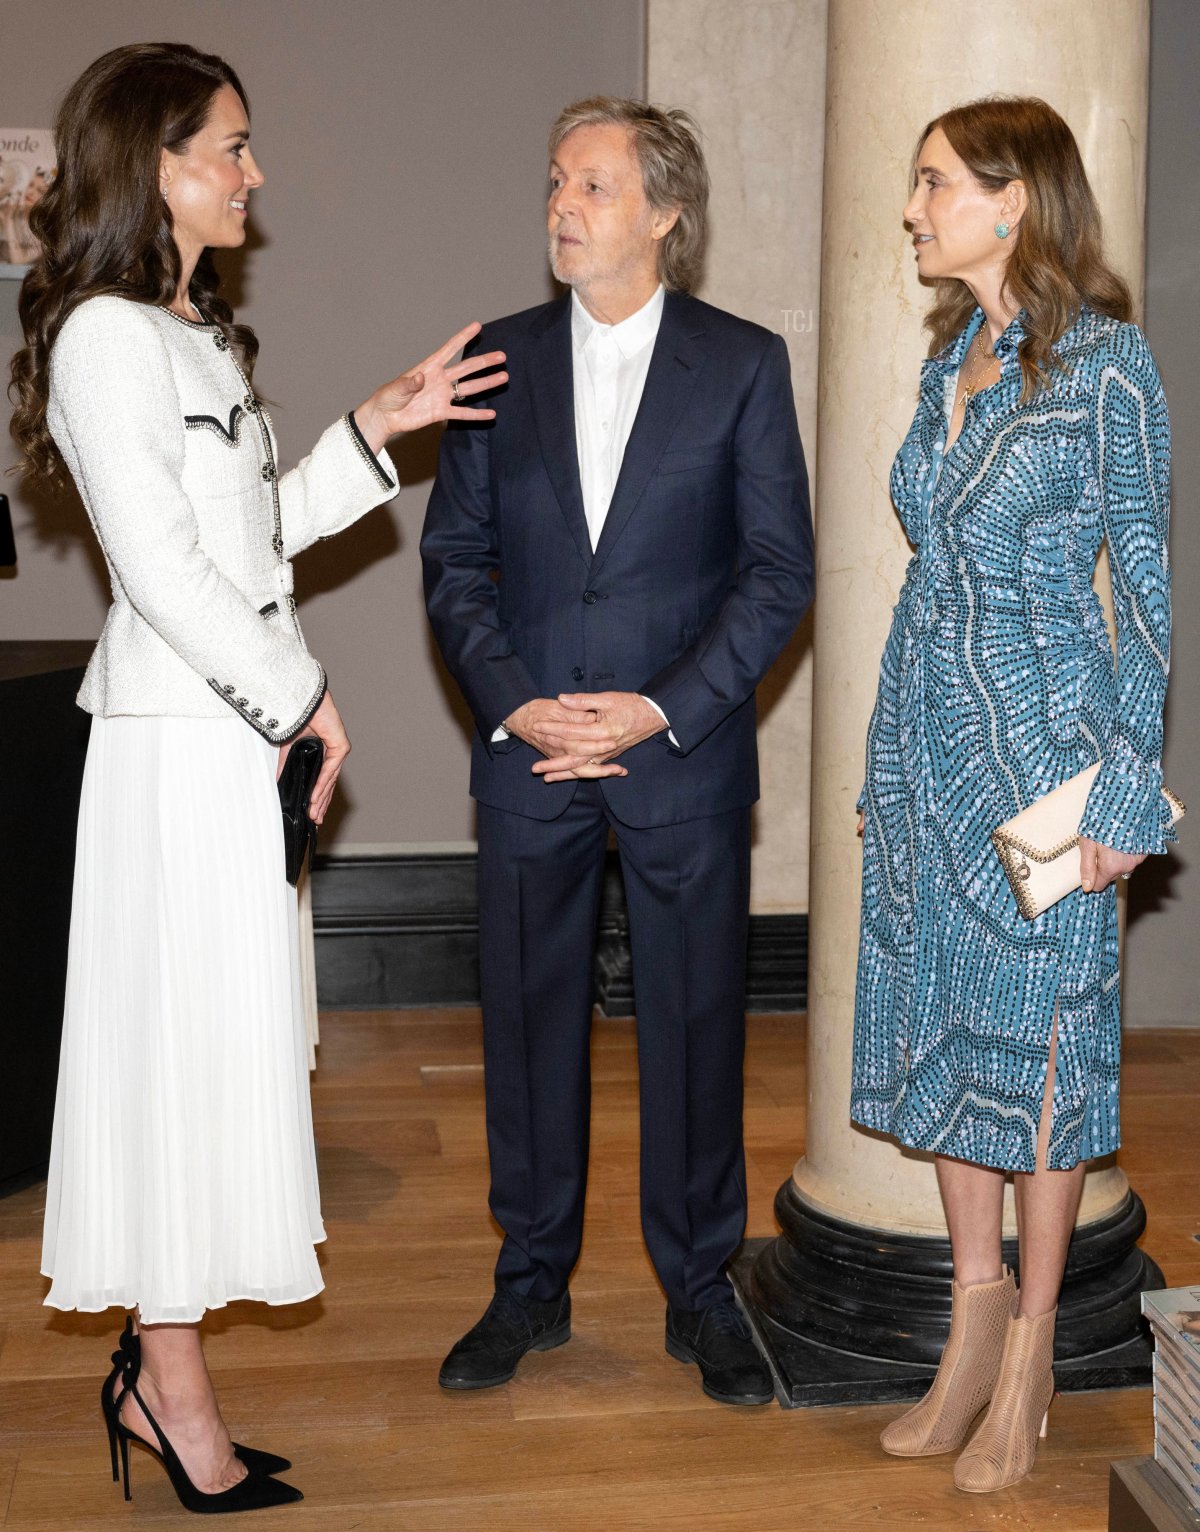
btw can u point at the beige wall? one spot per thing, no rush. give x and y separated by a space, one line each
1162 981
753 74
403 142
404 148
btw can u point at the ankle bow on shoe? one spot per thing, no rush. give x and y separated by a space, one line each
127 1366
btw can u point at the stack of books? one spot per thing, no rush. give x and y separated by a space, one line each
1174 1317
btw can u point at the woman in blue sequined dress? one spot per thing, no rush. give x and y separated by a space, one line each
988 1039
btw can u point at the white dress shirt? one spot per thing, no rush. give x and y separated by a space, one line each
609 367
610 363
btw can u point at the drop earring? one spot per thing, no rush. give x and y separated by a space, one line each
1001 230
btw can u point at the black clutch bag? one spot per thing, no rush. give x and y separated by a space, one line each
8 548
296 783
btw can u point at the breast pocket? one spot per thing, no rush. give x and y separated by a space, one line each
223 457
687 459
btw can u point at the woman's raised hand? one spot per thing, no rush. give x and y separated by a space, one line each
425 393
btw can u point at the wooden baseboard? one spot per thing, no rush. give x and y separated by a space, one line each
397 931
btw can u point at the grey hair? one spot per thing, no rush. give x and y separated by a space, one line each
674 175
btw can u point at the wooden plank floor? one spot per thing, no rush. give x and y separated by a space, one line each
607 1434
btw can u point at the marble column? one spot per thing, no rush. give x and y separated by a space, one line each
752 73
891 67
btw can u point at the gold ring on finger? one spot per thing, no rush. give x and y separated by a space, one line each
455 392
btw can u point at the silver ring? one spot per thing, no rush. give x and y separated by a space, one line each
455 392
1126 876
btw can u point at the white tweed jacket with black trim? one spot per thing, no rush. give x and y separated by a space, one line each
174 458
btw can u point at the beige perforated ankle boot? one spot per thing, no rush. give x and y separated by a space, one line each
966 1375
1002 1451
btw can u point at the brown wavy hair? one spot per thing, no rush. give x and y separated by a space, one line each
1057 262
103 225
674 175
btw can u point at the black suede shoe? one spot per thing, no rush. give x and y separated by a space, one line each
489 1353
718 1339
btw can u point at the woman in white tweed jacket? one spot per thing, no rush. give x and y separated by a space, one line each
151 409
183 1174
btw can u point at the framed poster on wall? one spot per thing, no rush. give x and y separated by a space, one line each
26 170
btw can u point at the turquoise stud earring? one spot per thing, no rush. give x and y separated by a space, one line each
1001 231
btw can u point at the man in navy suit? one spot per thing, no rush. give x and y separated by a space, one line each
611 567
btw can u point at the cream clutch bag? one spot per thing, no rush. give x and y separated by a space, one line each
1037 848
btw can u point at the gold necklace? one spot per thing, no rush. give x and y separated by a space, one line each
970 388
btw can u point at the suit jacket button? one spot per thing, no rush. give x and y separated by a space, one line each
590 597
577 674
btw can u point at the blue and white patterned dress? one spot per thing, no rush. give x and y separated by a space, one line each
997 684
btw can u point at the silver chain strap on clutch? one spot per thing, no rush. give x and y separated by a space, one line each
1038 847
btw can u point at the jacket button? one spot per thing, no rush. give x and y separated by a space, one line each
590 597
577 674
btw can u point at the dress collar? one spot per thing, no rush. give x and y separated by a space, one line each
938 372
631 334
1007 345
950 357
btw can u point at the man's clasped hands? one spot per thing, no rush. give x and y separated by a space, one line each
581 734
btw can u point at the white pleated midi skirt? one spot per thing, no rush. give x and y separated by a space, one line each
183 1171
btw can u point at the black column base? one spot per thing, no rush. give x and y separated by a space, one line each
851 1315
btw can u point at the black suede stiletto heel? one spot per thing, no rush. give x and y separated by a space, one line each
255 1492
130 1347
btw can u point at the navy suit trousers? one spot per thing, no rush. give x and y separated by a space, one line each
688 889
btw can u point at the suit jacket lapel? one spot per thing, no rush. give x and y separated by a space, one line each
552 389
674 367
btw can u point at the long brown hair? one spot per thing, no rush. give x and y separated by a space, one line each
1057 262
103 226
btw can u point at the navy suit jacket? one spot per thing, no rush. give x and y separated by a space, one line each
702 572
